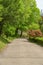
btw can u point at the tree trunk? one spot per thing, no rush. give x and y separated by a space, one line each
21 34
1 27
16 32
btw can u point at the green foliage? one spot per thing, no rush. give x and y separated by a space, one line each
1 9
8 30
38 41
34 26
18 14
4 41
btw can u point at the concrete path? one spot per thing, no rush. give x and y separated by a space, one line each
22 52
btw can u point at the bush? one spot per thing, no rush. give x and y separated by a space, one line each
37 40
36 36
35 33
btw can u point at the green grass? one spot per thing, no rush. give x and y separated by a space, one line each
5 41
2 45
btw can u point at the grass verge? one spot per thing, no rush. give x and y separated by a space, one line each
4 42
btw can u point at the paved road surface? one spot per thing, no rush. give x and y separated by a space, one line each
22 52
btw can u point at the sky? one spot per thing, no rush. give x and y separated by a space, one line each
40 4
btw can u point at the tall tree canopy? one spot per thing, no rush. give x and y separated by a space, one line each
18 13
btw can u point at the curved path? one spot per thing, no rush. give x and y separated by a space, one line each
22 52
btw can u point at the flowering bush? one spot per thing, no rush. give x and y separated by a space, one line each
35 33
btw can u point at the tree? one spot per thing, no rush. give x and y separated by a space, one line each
30 14
19 13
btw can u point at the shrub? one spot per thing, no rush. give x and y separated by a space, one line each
35 33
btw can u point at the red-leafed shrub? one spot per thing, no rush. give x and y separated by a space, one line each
35 33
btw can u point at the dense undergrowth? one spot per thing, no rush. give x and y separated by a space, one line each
37 40
36 36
